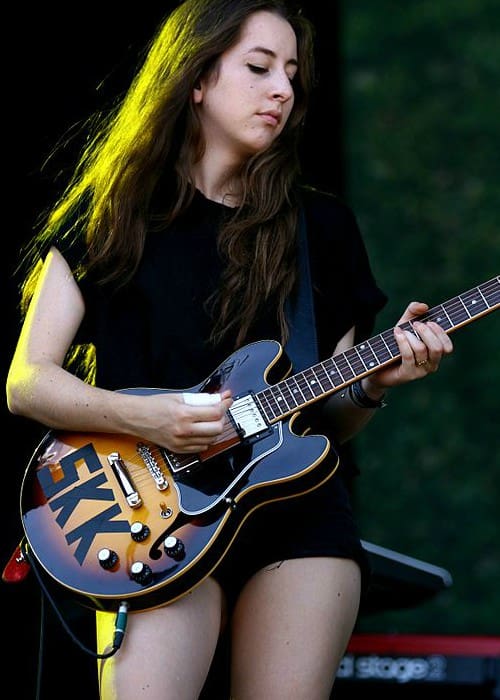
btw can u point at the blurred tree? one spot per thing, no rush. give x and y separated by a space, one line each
421 139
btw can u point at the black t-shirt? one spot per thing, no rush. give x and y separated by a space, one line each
155 331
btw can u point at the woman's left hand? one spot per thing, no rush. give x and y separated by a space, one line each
421 353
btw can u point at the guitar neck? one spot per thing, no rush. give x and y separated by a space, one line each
337 372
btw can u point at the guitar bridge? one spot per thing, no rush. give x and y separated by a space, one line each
125 480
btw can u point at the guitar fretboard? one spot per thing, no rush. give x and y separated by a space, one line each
366 357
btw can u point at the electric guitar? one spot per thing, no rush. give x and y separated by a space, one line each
114 518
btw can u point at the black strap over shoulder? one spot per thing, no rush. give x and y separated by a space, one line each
302 345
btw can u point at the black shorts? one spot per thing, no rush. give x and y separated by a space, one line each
318 523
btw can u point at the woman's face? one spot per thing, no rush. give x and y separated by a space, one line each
244 105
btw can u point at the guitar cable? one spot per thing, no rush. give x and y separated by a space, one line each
120 621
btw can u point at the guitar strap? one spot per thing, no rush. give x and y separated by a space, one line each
302 345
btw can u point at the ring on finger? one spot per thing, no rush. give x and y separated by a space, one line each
420 363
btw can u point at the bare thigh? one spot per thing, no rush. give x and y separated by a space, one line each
290 628
166 652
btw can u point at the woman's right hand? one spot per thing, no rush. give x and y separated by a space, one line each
168 420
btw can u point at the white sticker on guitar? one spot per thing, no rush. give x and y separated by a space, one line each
201 399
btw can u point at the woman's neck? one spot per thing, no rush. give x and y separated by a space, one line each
216 182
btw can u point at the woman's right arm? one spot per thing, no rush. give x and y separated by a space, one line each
39 388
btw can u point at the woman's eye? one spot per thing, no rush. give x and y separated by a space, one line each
257 69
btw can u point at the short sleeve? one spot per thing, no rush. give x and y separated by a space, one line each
346 293
73 247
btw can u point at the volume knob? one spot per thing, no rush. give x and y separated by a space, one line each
107 558
139 531
174 547
141 572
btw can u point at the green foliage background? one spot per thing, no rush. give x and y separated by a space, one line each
421 99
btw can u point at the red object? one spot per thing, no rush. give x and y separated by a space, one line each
17 568
422 644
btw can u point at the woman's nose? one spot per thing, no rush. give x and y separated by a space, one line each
282 89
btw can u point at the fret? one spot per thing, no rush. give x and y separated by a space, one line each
281 399
272 402
312 380
458 312
383 351
390 342
295 389
323 377
380 350
408 326
276 400
355 362
306 387
475 303
491 291
343 368
440 317
290 395
334 375
266 397
259 400
368 352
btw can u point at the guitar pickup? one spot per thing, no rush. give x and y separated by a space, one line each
247 418
125 480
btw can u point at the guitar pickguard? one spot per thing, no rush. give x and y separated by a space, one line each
218 480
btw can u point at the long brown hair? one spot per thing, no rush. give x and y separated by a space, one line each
153 133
